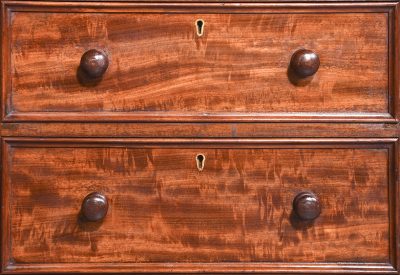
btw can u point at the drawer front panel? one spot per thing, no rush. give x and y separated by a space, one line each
162 209
160 68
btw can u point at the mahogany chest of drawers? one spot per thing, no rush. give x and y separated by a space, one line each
200 137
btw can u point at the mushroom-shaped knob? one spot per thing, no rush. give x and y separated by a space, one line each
94 207
304 63
306 206
94 63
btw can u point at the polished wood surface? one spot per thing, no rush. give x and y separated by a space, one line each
160 69
93 64
304 63
94 207
238 209
196 130
306 206
253 158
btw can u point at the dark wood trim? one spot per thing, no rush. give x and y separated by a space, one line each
205 142
396 153
395 205
392 201
199 130
394 48
3 232
5 58
224 268
201 117
157 6
5 220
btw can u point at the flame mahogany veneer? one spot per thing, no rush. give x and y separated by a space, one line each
251 136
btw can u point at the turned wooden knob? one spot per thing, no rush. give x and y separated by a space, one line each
94 63
304 63
94 207
306 205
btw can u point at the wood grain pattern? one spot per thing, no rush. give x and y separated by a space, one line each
227 130
334 134
238 209
160 69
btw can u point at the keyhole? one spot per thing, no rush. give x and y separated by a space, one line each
200 161
200 27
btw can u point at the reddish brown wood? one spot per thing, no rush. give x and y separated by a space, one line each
171 212
334 135
310 130
178 82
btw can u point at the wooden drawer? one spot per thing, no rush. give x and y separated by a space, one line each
160 68
237 214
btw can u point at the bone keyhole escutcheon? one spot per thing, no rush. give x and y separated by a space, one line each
200 161
200 27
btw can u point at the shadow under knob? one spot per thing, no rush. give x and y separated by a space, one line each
306 206
94 63
94 207
304 63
